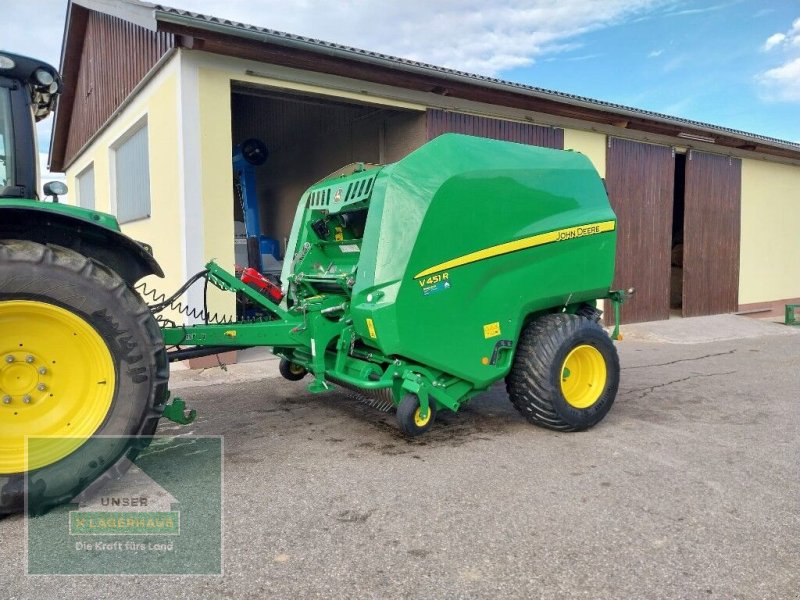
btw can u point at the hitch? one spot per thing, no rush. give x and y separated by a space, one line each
176 412
618 298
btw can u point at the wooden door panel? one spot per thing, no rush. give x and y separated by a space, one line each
640 179
711 229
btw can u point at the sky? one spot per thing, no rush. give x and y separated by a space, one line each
734 63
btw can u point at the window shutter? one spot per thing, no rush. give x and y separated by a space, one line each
132 170
86 188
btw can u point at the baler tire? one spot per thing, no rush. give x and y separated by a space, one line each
291 371
65 292
408 419
539 378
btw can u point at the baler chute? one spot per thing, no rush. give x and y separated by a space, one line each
429 279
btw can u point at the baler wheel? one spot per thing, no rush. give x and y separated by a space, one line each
291 371
81 359
409 419
565 373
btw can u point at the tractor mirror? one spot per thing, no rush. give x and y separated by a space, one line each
55 189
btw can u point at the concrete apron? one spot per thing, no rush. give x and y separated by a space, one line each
702 330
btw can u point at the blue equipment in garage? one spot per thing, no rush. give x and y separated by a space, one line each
247 156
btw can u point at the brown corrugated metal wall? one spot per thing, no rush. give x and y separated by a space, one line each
711 229
440 121
640 181
308 138
116 56
283 120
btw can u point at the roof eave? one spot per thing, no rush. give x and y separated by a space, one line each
71 45
334 50
139 13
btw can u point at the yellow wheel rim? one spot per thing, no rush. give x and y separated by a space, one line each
419 421
583 376
57 380
295 369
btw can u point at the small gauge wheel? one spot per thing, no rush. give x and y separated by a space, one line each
291 371
409 416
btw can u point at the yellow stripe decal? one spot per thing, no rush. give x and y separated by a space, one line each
371 327
540 239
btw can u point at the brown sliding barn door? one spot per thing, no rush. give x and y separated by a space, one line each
711 227
640 181
441 121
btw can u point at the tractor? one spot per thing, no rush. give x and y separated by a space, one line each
418 284
82 355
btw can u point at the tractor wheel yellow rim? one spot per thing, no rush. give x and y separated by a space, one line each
57 380
296 369
583 376
419 421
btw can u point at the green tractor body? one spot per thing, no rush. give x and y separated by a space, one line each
82 361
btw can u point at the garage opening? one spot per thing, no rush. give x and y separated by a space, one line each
676 257
305 138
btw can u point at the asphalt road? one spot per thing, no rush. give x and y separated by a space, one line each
688 489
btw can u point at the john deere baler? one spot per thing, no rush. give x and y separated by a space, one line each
425 281
417 284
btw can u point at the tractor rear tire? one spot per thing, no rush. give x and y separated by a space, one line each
408 416
565 373
291 371
81 358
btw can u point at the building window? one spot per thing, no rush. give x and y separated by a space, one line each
132 176
85 185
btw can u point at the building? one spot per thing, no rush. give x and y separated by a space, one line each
157 97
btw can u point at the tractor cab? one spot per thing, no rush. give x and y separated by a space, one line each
29 90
